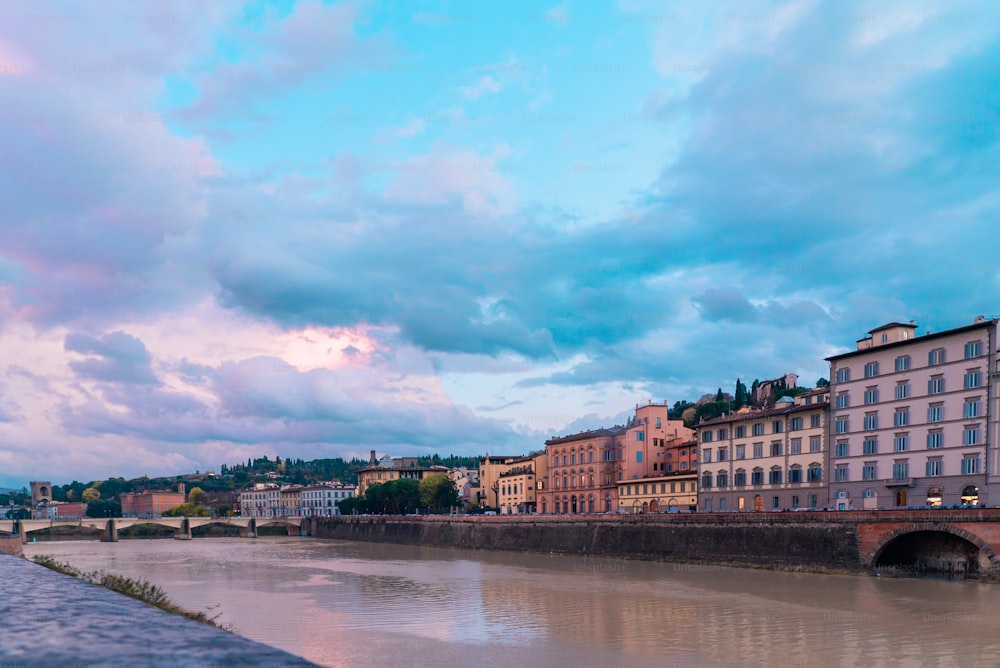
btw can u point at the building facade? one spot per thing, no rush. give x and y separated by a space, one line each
766 458
491 467
583 472
151 504
380 471
914 418
262 500
520 484
321 500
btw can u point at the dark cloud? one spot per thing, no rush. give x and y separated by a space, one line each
116 357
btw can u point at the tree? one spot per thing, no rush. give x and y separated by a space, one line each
690 416
822 382
438 492
104 508
187 510
91 494
742 397
719 396
198 497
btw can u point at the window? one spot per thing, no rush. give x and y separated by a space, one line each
638 456
814 473
658 423
935 385
901 443
815 444
795 424
609 455
843 400
970 409
973 378
640 436
970 465
934 467
970 435
901 469
871 446
814 421
871 369
757 477
776 427
871 421
758 429
723 434
840 473
775 477
935 412
741 452
776 449
901 417
871 395
795 474
740 478
741 431
903 363
722 479
706 436
572 459
842 424
934 439
723 454
842 448
796 446
973 349
758 449
775 503
843 375
869 471
935 357
706 455
902 390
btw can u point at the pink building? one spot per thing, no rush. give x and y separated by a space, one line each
649 436
914 418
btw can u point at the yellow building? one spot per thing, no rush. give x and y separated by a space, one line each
402 468
518 486
662 494
490 469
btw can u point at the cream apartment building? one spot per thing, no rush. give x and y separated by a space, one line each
914 418
766 458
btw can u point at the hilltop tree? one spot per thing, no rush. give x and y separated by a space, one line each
742 397
198 496
822 382
91 494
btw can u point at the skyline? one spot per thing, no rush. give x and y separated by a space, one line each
315 229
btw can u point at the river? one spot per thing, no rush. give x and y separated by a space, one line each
342 603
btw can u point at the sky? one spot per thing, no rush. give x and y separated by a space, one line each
312 229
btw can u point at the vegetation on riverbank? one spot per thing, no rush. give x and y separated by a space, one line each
141 590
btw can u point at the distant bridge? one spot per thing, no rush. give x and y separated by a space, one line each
182 526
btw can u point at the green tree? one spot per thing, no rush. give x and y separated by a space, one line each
822 382
197 496
104 508
91 494
438 492
187 510
719 396
742 397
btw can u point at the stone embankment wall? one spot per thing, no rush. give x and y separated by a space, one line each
11 545
761 540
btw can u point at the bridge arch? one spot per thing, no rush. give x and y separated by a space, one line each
944 548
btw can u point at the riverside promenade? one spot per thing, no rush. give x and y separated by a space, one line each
50 619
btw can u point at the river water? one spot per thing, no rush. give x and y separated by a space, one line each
342 603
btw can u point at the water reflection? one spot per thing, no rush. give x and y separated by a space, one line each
341 603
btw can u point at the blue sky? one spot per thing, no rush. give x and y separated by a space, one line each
314 229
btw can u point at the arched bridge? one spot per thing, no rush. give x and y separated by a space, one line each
182 526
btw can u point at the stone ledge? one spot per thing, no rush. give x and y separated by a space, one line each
50 619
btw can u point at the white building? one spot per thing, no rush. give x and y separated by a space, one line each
321 500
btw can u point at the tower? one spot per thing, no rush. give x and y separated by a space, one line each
41 492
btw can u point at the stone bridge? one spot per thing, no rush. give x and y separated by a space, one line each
182 526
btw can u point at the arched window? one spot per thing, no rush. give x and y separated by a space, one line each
706 480
970 495
934 496
722 479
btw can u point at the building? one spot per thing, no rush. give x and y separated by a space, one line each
766 458
649 436
321 500
519 485
670 493
262 500
491 467
401 468
583 472
914 418
291 500
149 503
61 510
466 480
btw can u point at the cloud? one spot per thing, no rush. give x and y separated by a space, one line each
115 357
486 84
